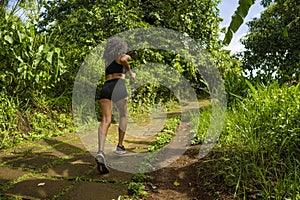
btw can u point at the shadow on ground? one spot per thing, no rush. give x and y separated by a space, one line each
58 168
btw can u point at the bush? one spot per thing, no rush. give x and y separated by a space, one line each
260 144
19 124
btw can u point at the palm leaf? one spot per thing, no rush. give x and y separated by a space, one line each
237 19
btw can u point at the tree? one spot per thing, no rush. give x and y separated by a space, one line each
77 26
199 19
272 44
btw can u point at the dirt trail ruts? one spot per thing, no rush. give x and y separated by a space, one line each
185 179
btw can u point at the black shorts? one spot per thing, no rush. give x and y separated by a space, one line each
114 90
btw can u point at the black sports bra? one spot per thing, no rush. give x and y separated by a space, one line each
114 67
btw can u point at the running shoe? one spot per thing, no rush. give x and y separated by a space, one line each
120 150
102 164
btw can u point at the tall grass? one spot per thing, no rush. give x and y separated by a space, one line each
258 153
8 108
19 123
261 141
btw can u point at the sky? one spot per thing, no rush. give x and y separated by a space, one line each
227 8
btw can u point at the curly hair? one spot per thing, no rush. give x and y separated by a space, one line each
114 48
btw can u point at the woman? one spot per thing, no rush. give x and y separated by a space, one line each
113 91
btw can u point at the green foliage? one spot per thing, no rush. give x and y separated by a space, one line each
272 43
199 19
236 87
136 189
30 71
270 111
78 27
199 134
47 125
260 152
21 125
225 62
156 93
166 135
151 79
28 64
238 19
141 178
8 109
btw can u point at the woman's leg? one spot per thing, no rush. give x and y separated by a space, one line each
122 108
106 108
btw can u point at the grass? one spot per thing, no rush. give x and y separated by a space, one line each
22 124
166 135
258 152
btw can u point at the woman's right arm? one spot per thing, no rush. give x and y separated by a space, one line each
124 60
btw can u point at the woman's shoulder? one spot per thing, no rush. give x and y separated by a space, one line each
124 58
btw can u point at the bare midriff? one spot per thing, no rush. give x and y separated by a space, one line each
115 76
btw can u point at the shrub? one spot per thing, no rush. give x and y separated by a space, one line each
260 144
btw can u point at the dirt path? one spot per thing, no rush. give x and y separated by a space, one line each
62 168
185 179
